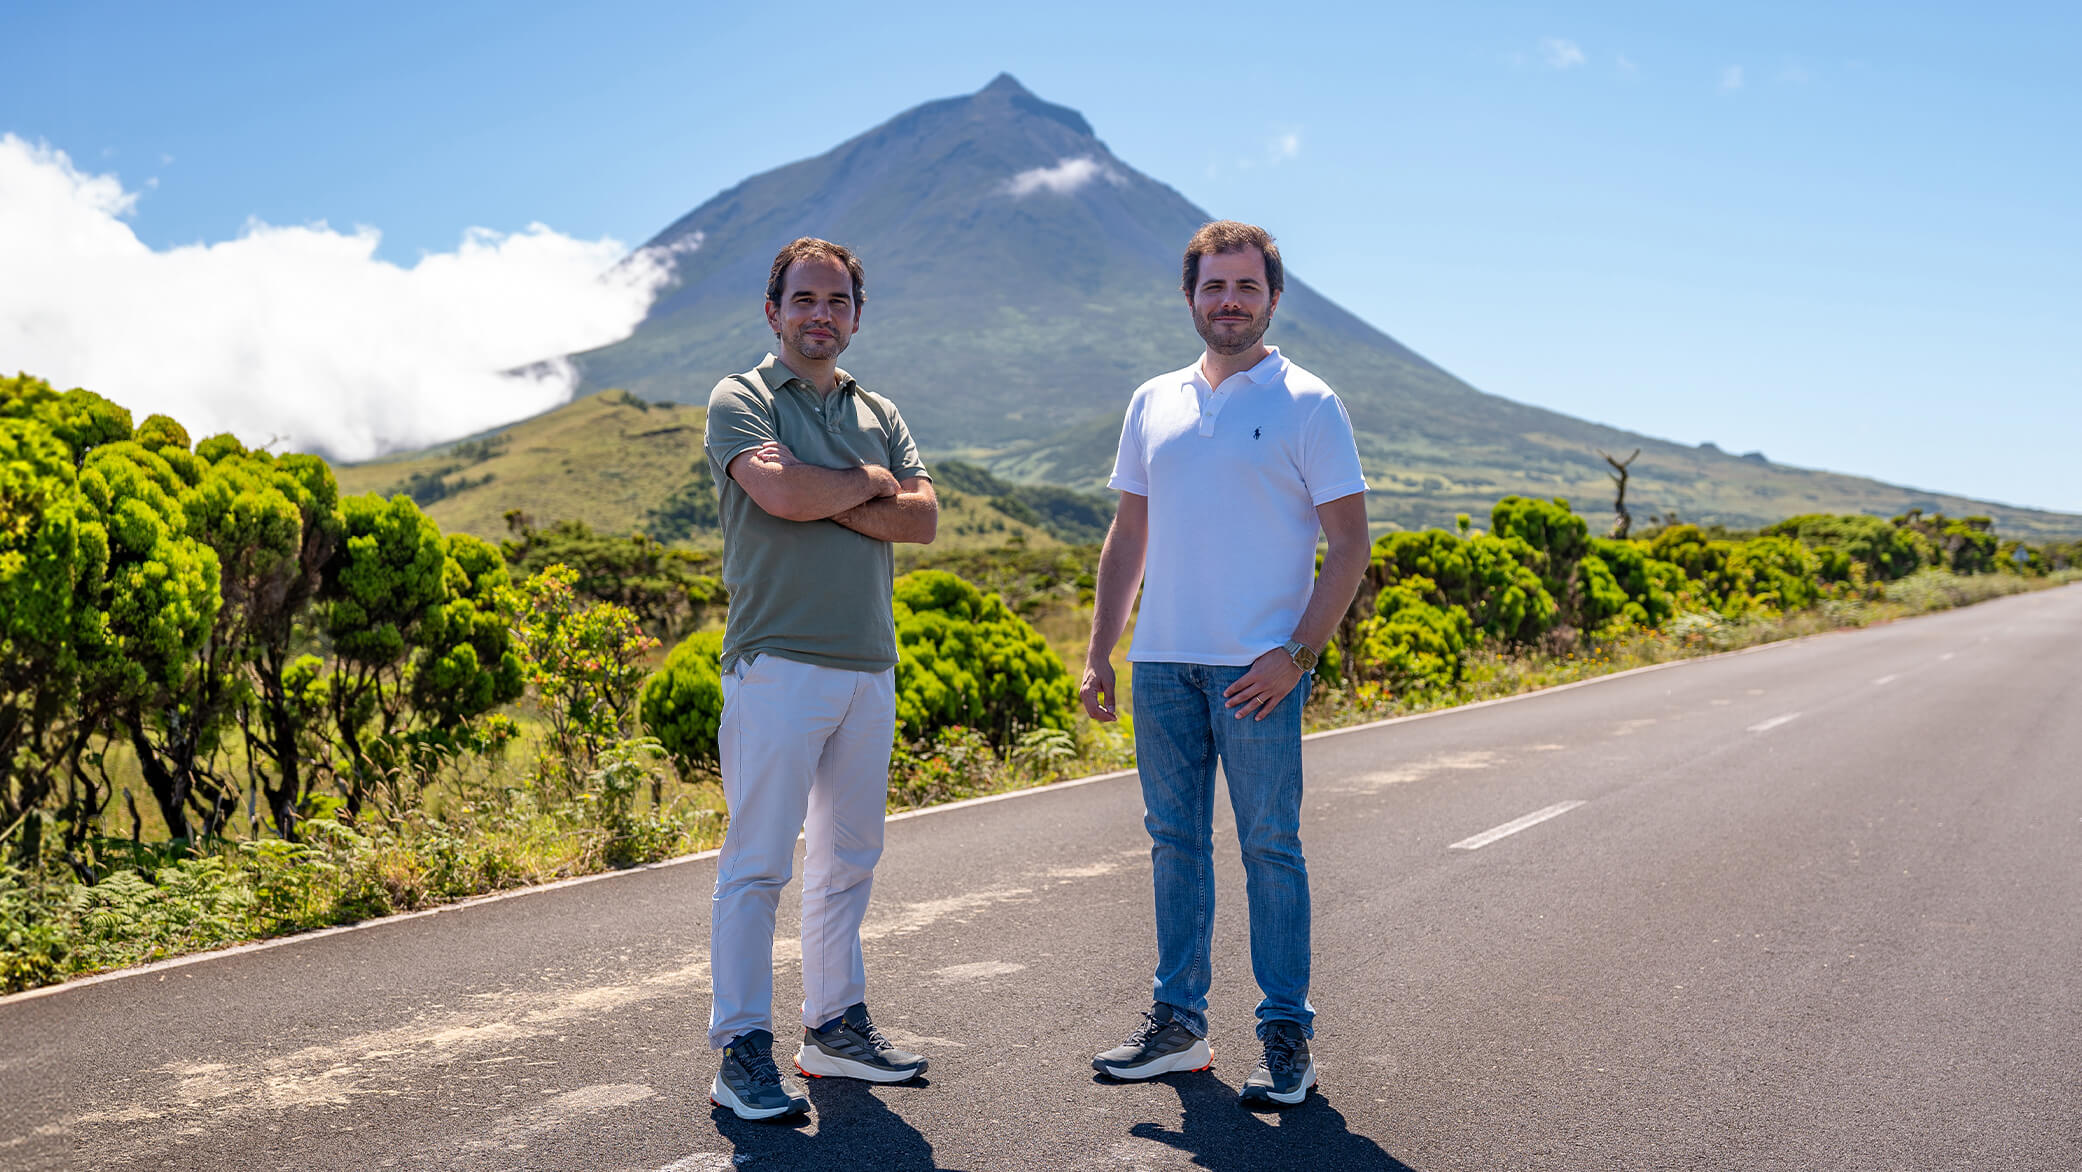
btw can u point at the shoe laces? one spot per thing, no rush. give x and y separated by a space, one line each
866 1028
1280 1048
1149 1028
758 1064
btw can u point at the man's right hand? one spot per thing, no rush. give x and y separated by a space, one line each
1097 691
885 481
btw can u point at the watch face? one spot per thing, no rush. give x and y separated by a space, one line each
1306 657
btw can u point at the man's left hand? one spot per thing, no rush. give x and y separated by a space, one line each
1261 689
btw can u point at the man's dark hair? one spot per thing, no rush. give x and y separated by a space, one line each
1233 236
811 248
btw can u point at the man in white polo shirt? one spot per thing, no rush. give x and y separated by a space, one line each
1227 471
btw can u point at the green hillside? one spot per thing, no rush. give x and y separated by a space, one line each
617 463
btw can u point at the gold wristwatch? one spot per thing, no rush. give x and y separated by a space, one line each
1303 655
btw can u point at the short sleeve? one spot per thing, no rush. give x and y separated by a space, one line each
1131 460
737 422
1329 455
903 452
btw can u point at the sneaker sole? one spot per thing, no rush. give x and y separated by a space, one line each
1268 1095
1197 1057
721 1096
814 1062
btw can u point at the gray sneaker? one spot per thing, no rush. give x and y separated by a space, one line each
850 1046
1286 1073
1160 1045
749 1083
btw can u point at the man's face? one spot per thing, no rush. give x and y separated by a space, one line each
1232 307
817 315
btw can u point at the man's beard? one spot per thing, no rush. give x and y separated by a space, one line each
817 348
1225 337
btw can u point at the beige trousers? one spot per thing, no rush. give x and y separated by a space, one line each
803 748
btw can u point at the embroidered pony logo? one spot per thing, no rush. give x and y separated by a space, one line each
1257 433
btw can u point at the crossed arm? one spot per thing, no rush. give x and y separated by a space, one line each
869 500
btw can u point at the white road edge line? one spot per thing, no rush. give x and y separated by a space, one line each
1514 826
194 958
1774 722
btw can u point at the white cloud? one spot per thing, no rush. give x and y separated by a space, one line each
1065 177
1731 79
1560 53
1627 66
682 246
1284 147
299 333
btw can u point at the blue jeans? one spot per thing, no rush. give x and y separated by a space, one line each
1181 729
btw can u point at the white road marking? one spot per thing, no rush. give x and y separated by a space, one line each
1884 680
1514 826
1774 722
1946 655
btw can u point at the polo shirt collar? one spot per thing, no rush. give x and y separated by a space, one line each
775 374
1268 368
1212 399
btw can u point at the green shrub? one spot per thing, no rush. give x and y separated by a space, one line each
1652 587
1887 551
584 662
1491 578
34 946
965 659
682 703
612 793
1412 644
1769 573
1600 597
1557 536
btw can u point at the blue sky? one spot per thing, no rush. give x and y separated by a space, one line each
1848 235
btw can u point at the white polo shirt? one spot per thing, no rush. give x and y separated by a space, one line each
1233 475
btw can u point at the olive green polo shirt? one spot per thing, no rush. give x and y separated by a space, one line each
811 591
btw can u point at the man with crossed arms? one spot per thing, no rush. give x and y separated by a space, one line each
1227 471
815 477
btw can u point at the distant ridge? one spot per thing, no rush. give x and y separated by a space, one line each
1022 280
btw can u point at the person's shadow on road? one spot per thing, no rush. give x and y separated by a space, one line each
1219 1134
855 1129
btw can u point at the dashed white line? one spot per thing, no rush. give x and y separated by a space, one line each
1883 681
1514 826
1774 722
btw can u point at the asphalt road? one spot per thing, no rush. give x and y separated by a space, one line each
1819 907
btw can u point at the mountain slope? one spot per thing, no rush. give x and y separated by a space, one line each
993 314
1022 279
613 462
